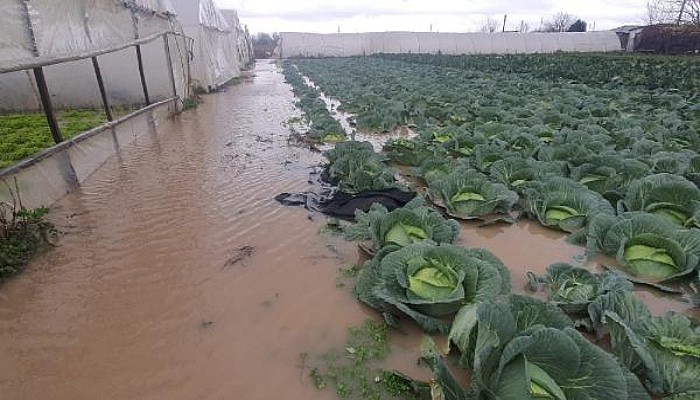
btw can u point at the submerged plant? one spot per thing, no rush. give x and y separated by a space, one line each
355 167
22 232
407 151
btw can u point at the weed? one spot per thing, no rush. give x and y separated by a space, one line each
350 373
22 231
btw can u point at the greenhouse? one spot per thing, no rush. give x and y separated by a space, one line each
375 214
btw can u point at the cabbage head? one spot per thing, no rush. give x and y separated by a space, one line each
438 168
647 245
564 204
573 289
414 223
355 168
670 196
430 283
527 349
609 175
516 172
407 152
664 350
469 194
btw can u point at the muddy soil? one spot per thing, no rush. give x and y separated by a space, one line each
179 277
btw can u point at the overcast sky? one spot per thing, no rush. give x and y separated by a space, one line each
418 15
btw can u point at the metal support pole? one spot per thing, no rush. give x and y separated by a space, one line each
142 74
46 104
680 13
103 91
169 61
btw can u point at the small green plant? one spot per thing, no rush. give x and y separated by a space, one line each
199 89
22 232
190 103
350 373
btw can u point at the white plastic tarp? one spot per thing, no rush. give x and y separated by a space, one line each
70 29
66 28
346 44
217 53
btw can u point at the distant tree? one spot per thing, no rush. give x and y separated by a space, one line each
264 44
686 12
560 22
489 25
524 27
578 26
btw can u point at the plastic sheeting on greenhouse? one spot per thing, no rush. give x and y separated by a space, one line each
217 58
360 44
62 35
39 31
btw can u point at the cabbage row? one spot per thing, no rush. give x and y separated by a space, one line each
516 347
322 126
608 70
617 168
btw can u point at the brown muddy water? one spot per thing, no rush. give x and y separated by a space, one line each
179 277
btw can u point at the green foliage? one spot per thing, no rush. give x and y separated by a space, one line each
573 289
22 232
665 350
351 374
653 72
515 350
670 196
648 246
24 135
563 203
322 126
469 194
355 167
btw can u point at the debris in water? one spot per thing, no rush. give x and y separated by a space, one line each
239 255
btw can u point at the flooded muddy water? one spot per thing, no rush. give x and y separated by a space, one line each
179 277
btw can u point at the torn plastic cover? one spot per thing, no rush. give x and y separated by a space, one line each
330 201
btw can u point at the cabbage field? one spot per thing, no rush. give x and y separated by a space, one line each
601 148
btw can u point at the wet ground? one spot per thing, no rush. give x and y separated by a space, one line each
178 276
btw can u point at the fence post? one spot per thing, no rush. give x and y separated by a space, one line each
103 91
169 62
142 74
47 105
